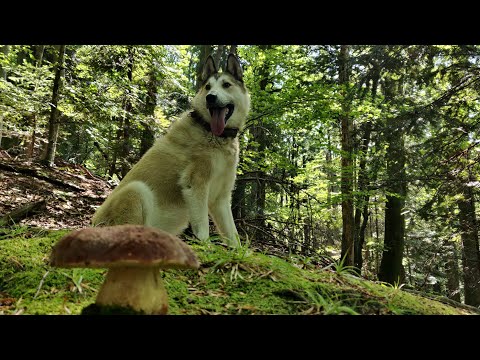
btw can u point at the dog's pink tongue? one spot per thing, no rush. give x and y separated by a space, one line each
218 121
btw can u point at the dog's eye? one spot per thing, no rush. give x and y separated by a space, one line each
207 87
226 85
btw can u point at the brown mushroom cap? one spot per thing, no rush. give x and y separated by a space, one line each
122 245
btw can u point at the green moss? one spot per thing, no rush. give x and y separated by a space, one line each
228 282
38 288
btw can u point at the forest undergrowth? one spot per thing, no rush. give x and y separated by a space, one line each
247 281
228 282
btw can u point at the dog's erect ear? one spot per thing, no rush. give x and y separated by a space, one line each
209 68
234 67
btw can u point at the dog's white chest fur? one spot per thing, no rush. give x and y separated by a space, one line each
224 164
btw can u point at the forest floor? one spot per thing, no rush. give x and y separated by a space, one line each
70 193
250 280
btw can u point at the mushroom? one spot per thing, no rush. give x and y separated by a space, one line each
133 255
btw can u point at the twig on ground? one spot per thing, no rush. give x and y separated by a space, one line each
41 284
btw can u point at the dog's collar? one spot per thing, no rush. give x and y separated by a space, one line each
227 132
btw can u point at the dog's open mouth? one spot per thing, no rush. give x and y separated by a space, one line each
220 115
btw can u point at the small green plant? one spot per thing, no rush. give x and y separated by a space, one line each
243 250
300 260
327 305
342 269
235 254
76 278
396 284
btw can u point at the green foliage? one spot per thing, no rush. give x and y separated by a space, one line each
26 89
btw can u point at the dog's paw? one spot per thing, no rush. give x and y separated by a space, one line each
201 234
234 243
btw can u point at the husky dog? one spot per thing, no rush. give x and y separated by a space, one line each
189 173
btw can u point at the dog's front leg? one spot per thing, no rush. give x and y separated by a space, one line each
195 194
196 200
223 218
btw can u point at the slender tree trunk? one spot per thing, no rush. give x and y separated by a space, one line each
452 271
54 122
5 50
377 241
238 199
362 205
125 149
39 51
217 58
148 137
407 253
471 252
347 163
116 147
363 183
391 268
329 238
205 50
307 241
259 191
259 137
361 236
329 172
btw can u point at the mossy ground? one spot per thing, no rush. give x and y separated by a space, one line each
227 282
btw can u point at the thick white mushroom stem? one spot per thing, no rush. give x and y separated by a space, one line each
140 288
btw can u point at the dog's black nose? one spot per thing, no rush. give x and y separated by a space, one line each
211 99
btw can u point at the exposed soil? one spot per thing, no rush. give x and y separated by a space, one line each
71 193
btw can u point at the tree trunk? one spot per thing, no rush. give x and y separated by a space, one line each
54 122
259 201
451 269
125 149
377 241
217 58
391 268
470 254
363 183
346 162
259 137
205 50
148 136
4 49
233 49
39 51
362 203
329 171
112 170
238 201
